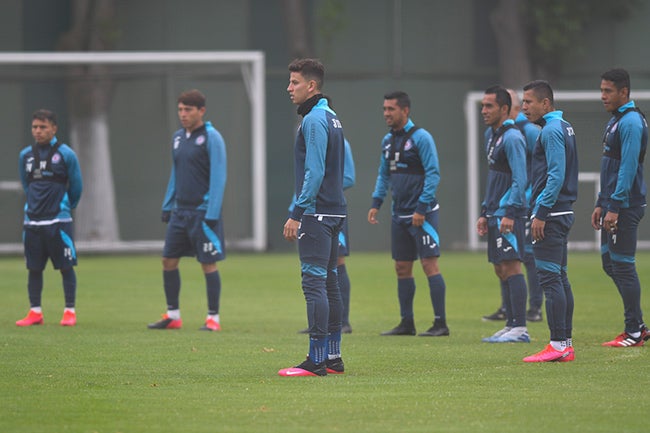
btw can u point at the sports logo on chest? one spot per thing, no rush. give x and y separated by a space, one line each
408 145
56 158
200 140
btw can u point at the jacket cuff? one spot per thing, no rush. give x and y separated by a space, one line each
483 212
614 206
421 208
297 212
542 213
376 203
510 212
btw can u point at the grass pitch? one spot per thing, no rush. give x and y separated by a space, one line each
110 374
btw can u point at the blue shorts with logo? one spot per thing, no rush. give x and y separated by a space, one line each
409 242
52 241
551 252
621 245
189 236
506 246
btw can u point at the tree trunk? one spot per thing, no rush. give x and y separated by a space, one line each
514 62
89 91
297 27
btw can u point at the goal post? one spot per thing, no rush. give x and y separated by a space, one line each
250 66
582 104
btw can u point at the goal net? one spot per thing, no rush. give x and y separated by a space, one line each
585 112
141 116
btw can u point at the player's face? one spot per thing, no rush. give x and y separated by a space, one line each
43 131
612 97
532 107
300 89
191 117
394 115
491 112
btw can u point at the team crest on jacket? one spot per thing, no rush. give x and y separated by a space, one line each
200 140
499 141
614 128
56 158
408 145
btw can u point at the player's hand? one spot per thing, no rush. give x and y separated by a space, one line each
609 222
372 216
290 231
537 229
596 215
481 226
165 216
507 224
418 219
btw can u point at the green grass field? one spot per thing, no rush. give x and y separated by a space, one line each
111 374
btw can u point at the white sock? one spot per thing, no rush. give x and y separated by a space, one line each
38 310
635 334
174 314
214 317
68 309
559 345
569 342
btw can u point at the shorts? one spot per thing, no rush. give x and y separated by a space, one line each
409 242
344 240
506 246
189 236
53 241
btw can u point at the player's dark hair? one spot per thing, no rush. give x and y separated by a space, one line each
193 98
541 88
311 69
502 96
45 116
619 77
403 100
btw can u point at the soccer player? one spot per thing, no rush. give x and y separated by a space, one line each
409 166
535 293
555 188
349 178
503 212
51 179
621 202
318 216
192 209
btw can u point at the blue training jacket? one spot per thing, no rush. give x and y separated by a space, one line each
54 188
554 168
413 176
621 168
505 191
199 171
319 164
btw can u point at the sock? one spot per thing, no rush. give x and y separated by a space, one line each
317 349
569 342
406 293
214 317
213 290
507 303
35 288
559 345
518 293
71 310
334 345
344 285
437 292
635 334
172 284
38 310
174 314
69 286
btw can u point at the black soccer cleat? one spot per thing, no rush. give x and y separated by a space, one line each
405 327
500 314
335 366
534 315
439 329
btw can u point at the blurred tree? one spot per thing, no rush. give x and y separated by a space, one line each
89 88
298 29
534 37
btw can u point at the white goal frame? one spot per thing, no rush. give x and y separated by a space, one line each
253 74
472 111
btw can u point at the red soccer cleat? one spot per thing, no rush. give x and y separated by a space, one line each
166 323
549 354
307 368
626 340
570 357
211 325
32 318
69 318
